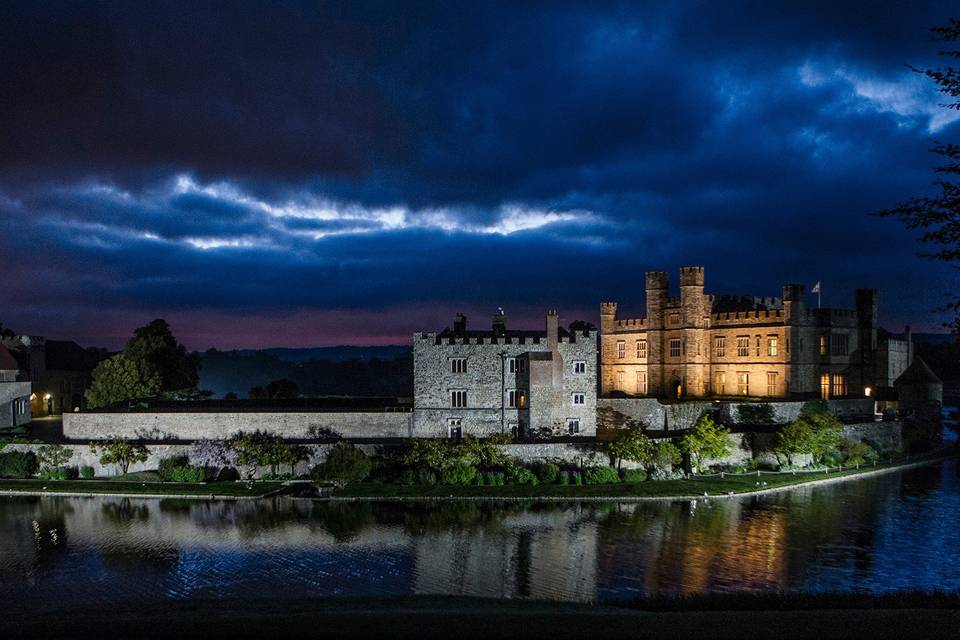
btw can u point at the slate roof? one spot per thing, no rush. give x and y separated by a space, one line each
918 373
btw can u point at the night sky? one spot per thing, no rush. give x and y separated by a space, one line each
303 175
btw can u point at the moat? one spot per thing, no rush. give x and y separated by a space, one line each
891 532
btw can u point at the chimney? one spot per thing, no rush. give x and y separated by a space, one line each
553 329
460 324
500 323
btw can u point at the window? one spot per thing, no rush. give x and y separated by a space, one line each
825 386
641 349
516 365
675 347
838 344
458 365
674 318
514 429
788 346
720 383
516 399
773 346
838 385
743 383
823 345
758 345
573 425
580 366
455 428
458 398
577 398
642 382
771 383
620 380
719 346
743 346
621 349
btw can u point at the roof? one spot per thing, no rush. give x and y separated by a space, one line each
918 373
66 355
509 333
7 361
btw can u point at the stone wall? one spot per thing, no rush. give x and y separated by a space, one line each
10 394
221 425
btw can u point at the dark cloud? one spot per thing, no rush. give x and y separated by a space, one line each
238 158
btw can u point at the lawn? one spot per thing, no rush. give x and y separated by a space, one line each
695 486
223 489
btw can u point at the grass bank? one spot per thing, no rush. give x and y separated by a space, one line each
133 488
713 486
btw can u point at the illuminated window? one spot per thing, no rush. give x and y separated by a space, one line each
573 425
516 399
743 383
577 398
743 346
719 346
838 344
641 382
674 318
773 346
641 349
720 383
458 398
621 349
823 345
825 387
838 386
458 365
580 366
771 383
675 347
758 345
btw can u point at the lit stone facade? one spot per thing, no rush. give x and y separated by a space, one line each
505 381
699 345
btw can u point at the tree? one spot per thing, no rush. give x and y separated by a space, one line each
706 440
282 389
155 345
259 449
793 439
120 452
827 435
121 379
345 464
666 455
633 445
938 216
6 332
582 325
53 456
212 453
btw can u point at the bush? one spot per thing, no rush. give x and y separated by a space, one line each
18 464
346 464
167 466
87 473
665 474
666 455
408 477
576 477
761 413
187 474
547 472
479 480
426 477
522 475
120 452
860 453
601 475
564 477
833 458
494 478
460 474
634 475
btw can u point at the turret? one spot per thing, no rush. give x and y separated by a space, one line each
499 323
794 306
553 329
867 316
460 324
691 296
657 284
608 317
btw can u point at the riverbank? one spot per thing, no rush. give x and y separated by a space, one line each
725 486
132 489
439 616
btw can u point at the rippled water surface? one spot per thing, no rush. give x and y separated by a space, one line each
897 531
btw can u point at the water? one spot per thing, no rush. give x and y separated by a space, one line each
897 531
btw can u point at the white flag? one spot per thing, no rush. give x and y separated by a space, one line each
816 288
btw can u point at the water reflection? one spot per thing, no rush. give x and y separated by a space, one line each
890 532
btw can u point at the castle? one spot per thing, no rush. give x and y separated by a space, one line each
505 381
697 345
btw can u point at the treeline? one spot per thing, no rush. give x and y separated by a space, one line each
232 371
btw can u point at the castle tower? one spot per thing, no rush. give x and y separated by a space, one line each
657 285
867 318
695 314
802 345
608 317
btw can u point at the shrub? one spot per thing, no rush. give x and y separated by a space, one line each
666 455
522 475
833 458
601 475
577 478
706 440
494 478
86 472
547 472
460 474
187 474
860 453
665 474
479 480
58 473
408 477
53 456
120 452
345 464
634 475
167 466
760 413
564 477
426 477
18 464
633 445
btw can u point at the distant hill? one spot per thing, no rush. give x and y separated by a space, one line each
322 371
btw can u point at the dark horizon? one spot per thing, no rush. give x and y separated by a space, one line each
350 174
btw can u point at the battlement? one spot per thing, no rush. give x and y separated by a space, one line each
691 276
747 317
608 308
631 323
657 280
